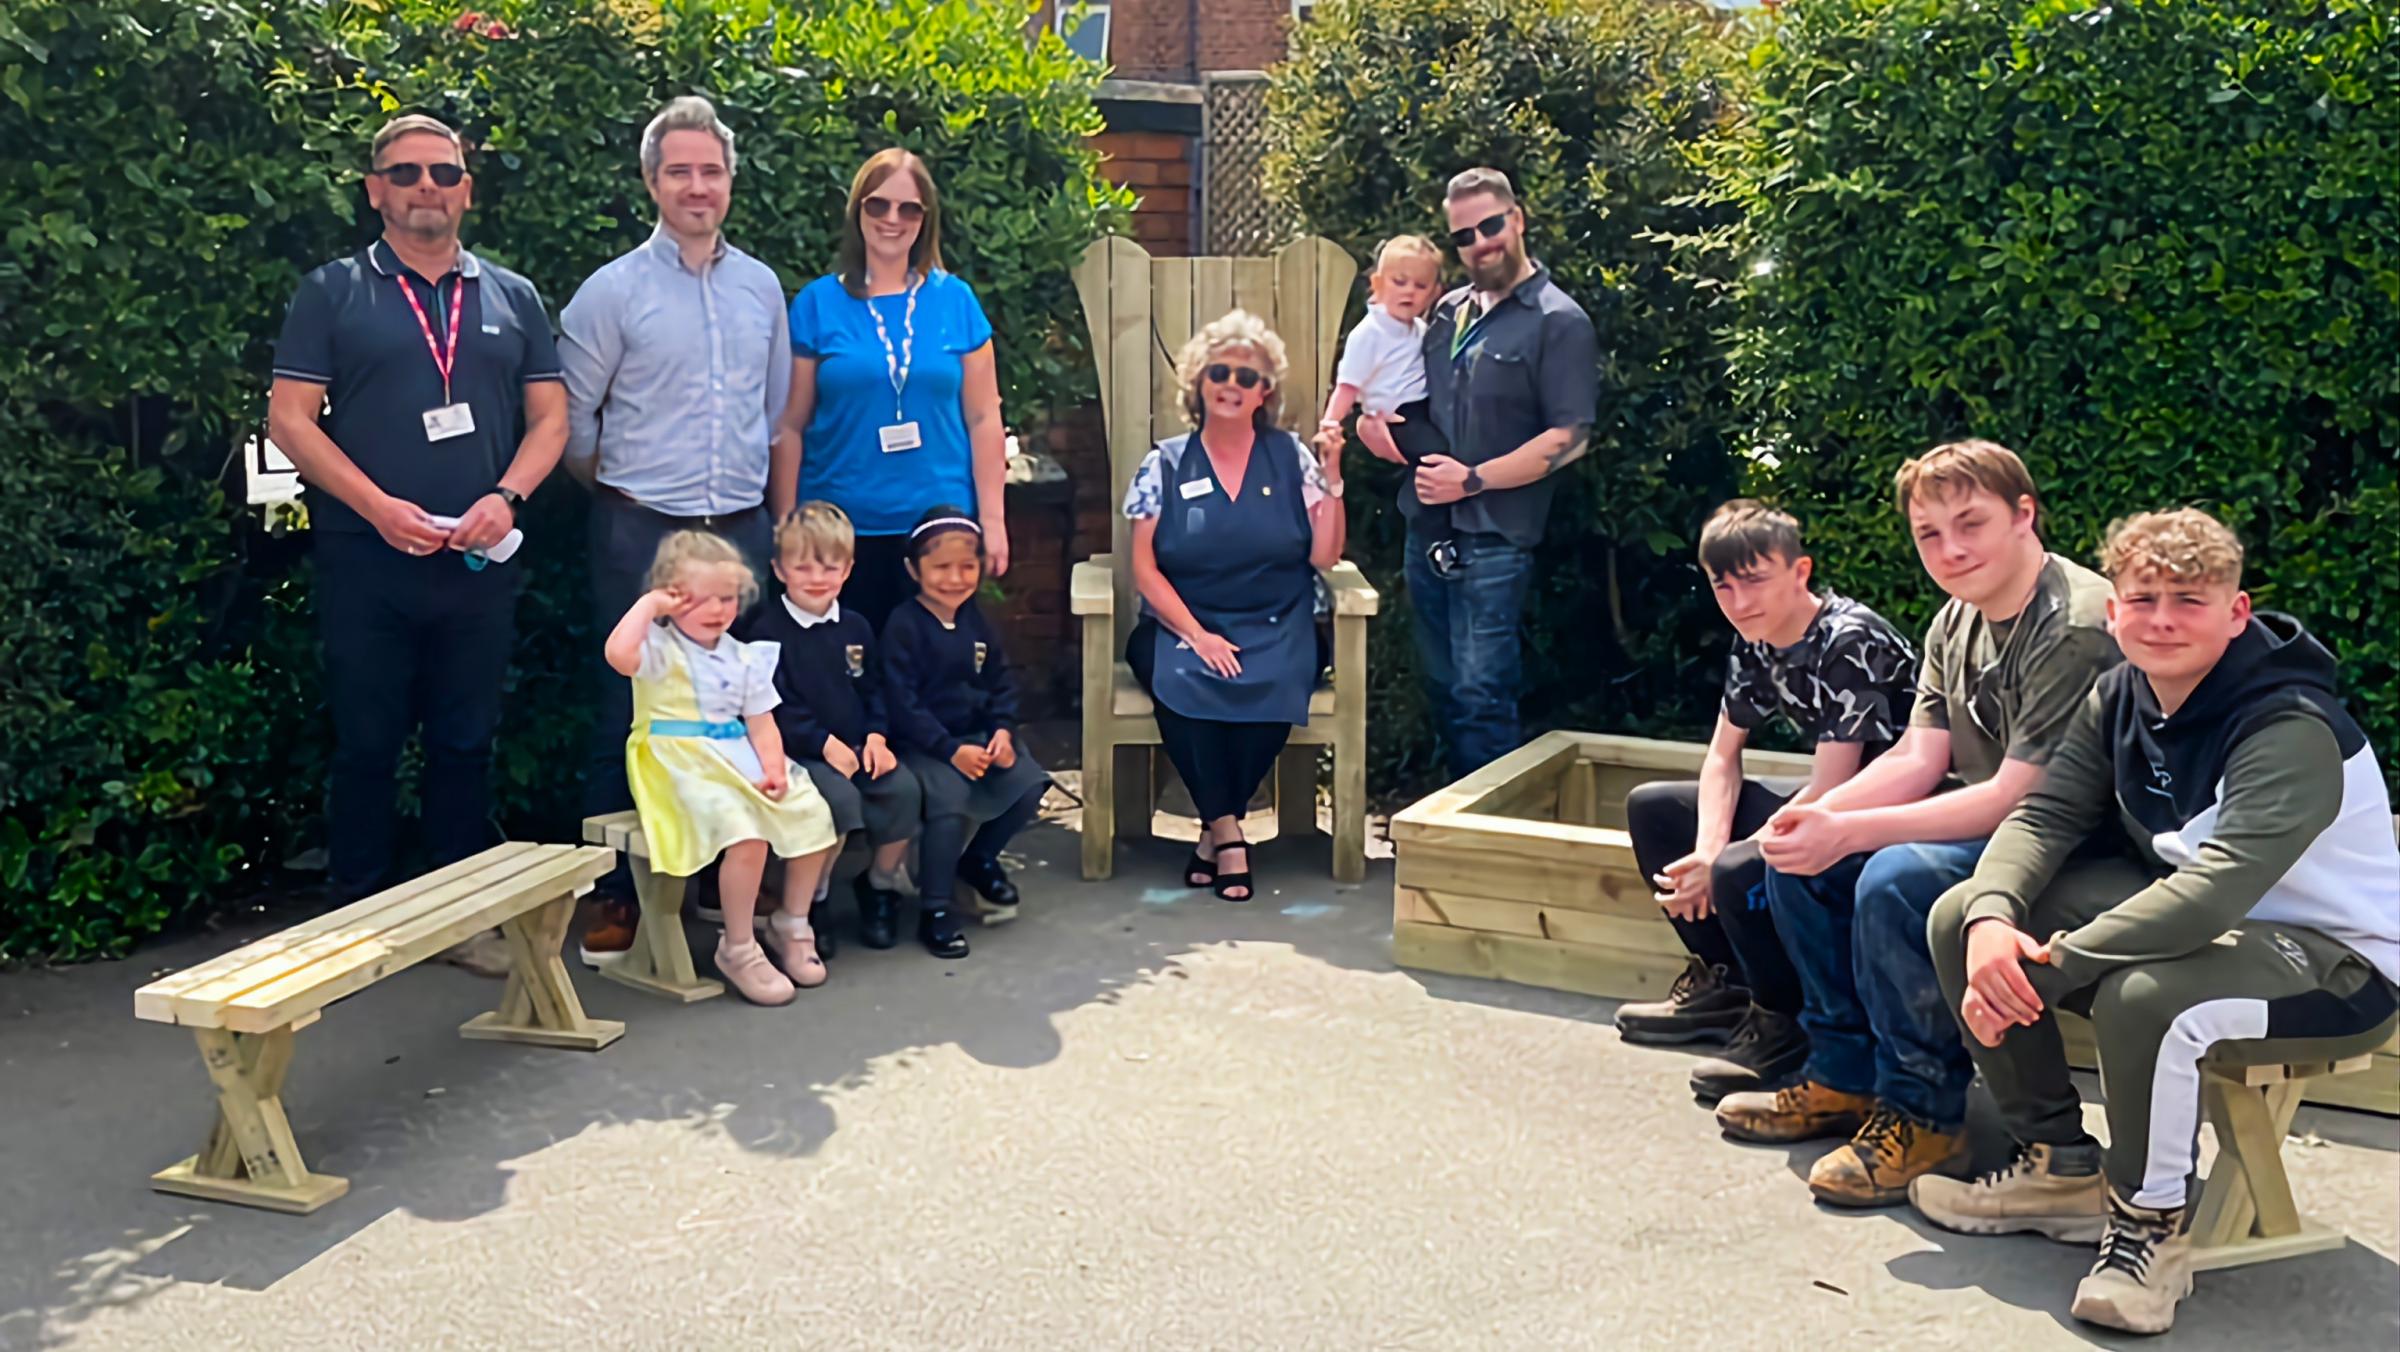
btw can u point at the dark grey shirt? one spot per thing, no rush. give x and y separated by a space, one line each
350 330
1525 366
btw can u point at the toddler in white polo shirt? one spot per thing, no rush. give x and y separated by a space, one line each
1382 375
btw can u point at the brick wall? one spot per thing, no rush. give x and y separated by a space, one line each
1241 34
1158 167
1153 39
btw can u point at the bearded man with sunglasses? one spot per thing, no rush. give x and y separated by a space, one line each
417 390
1511 370
1853 877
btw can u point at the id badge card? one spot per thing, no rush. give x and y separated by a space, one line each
450 420
1197 488
898 437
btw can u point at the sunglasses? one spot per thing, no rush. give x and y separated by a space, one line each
405 175
1487 227
880 207
1243 376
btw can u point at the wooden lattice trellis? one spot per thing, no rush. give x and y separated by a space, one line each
1236 215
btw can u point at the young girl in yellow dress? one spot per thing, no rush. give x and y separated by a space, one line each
706 762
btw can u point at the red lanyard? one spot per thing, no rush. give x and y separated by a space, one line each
443 362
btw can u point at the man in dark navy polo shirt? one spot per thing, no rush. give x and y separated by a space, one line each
415 385
1511 374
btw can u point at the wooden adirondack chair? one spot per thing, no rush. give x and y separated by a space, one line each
1141 310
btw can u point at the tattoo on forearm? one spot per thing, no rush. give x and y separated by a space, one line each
1579 440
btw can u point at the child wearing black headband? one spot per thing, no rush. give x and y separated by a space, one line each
952 707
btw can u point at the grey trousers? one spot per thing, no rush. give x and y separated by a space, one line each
2260 993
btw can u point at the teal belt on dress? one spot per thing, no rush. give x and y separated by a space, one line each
693 727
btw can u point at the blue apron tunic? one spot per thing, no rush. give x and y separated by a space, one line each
1241 565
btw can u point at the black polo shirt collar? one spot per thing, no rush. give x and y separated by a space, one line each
383 260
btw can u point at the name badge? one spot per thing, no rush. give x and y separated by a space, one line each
1197 488
450 420
899 437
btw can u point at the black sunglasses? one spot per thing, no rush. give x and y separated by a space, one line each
880 207
405 175
1487 227
1243 376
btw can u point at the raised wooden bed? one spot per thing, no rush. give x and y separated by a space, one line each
1522 872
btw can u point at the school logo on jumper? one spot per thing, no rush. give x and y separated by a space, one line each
981 652
854 659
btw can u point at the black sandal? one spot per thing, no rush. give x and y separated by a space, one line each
1225 883
1198 871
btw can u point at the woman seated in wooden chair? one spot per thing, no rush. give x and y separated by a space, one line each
1231 523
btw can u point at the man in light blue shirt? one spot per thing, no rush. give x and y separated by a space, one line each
678 362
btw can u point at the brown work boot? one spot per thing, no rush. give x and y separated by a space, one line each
2145 1268
1890 1150
609 933
2053 1190
1798 1112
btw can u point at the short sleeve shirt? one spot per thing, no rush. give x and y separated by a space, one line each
732 681
1848 679
1384 359
1525 366
2006 691
351 330
842 459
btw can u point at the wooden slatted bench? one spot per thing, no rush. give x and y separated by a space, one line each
2245 1212
245 1006
660 961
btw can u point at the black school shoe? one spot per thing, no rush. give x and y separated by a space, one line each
878 913
989 880
1766 1052
938 930
1702 1006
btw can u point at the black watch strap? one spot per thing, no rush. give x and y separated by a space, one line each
1474 482
514 499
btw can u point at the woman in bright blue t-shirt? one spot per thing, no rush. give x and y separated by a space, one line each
895 403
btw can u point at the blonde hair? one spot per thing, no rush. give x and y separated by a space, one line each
925 255
1400 247
690 548
2186 544
817 530
1964 467
1238 329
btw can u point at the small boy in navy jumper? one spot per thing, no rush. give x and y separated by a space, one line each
832 711
953 710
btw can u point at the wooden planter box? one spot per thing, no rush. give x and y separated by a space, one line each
1522 872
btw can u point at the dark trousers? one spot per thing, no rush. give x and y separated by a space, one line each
879 579
945 842
1876 1017
1417 436
411 644
1468 648
1222 763
1739 932
624 539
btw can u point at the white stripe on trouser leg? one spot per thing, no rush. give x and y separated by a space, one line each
2175 1092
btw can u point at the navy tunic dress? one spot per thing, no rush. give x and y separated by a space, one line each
1241 564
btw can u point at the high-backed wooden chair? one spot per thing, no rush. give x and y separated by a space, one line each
1141 310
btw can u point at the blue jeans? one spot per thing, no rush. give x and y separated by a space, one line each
1467 643
1876 1018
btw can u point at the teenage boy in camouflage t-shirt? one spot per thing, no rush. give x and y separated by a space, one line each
1852 877
1840 675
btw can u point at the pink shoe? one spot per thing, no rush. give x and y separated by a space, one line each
795 947
752 976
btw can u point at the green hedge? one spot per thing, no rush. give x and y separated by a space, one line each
1596 111
173 168
2152 244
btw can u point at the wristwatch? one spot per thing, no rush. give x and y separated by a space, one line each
1474 483
514 499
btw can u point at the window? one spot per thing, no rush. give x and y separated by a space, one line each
1085 27
1301 9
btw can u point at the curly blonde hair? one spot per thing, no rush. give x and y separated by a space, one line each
1238 331
688 547
2186 545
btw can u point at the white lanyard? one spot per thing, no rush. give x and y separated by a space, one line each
896 364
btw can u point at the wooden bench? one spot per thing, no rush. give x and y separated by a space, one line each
245 1006
660 961
2246 1213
